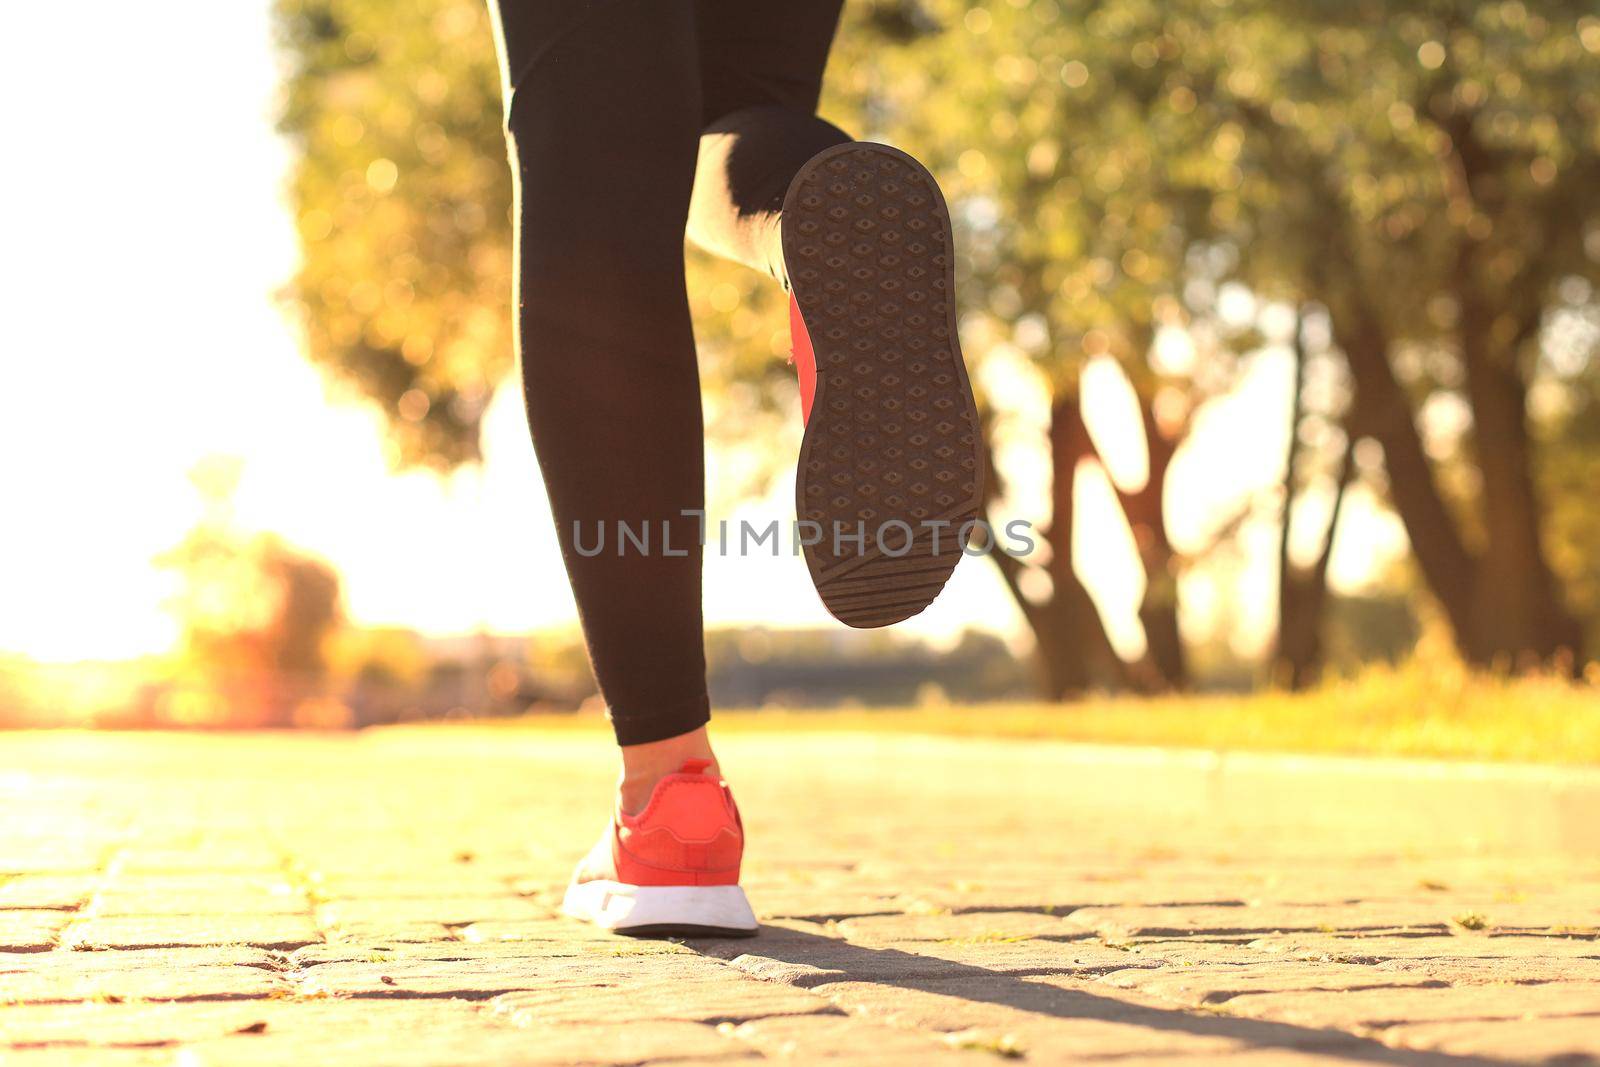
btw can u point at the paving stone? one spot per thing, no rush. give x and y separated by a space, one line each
1247 922
54 856
1339 1054
73 1056
1078 888
1043 1018
58 892
804 975
121 905
1477 971
707 998
90 1024
1572 1039
822 958
1083 959
391 898
387 932
843 1039
265 885
172 958
1164 953
30 931
992 926
80 977
1213 985
841 899
1379 948
557 930
445 911
575 968
488 975
585 942
1384 1006
257 1031
410 1033
266 931
209 859
405 886
628 1043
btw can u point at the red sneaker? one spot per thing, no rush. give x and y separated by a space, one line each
672 869
890 480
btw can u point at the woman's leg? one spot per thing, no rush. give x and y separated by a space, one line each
603 105
604 109
889 477
761 64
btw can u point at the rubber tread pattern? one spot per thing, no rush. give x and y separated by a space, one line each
893 433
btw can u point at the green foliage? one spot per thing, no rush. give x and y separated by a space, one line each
1423 130
403 200
1106 156
1092 152
402 197
1065 136
1422 172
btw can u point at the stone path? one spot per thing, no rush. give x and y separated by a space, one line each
389 898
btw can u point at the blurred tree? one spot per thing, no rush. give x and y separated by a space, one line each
1362 630
403 201
1428 172
254 611
381 655
1303 591
402 198
1569 475
1092 220
1423 171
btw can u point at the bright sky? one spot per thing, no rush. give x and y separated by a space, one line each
145 232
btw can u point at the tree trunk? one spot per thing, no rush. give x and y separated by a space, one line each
1504 608
1073 652
1380 410
1303 597
1166 666
1502 605
1291 621
1079 653
1519 619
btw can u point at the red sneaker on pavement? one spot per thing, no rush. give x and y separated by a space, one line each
672 869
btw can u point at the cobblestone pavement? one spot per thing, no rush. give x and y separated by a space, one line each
389 898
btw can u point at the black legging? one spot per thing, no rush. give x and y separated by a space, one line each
610 105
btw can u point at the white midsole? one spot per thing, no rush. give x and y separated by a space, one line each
619 906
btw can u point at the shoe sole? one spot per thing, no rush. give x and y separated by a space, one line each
662 910
891 449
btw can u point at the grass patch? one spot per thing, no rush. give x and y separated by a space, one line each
1006 1046
1437 711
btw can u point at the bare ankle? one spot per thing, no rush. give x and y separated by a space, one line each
645 765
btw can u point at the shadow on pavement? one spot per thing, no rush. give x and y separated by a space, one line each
812 960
